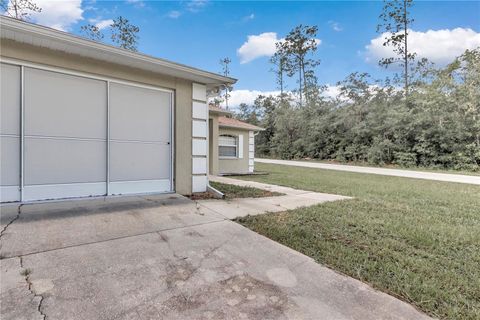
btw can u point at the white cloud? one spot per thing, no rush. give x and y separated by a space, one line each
249 17
174 14
335 26
247 96
439 46
238 97
102 24
331 91
196 5
262 45
58 14
256 46
136 3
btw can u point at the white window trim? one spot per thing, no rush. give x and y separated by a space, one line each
228 145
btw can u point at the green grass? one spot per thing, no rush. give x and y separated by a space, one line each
232 191
418 240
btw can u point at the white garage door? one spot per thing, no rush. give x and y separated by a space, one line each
10 133
65 135
81 136
140 140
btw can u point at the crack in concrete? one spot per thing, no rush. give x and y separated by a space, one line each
112 239
205 256
26 274
19 211
219 213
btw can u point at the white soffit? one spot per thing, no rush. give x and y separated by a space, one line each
41 36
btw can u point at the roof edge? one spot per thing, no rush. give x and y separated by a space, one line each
242 125
219 111
253 128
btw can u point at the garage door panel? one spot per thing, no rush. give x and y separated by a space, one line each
139 113
10 99
10 102
63 190
54 161
10 164
130 161
64 106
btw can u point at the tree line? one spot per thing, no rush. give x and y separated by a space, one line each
424 116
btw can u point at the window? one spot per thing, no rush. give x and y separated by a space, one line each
227 146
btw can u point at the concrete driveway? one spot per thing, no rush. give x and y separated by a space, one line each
165 257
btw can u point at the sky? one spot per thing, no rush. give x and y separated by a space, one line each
199 33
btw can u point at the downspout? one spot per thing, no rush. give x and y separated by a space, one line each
216 193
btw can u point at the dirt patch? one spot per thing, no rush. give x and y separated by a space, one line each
201 196
238 297
178 273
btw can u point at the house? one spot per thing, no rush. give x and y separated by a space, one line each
231 143
81 118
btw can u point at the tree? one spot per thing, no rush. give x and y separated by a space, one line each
92 32
297 45
225 63
395 22
279 61
124 34
370 122
19 9
247 113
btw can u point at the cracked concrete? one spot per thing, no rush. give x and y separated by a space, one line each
157 258
26 273
10 219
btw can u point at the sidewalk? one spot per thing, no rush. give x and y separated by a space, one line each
292 199
447 177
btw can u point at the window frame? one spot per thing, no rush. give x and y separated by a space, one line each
228 145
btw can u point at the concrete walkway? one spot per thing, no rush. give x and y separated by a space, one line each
165 257
447 177
292 199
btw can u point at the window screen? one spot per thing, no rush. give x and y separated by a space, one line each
227 146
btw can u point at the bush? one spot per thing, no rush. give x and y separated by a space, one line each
405 159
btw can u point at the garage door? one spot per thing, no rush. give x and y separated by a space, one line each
81 136
10 133
140 140
65 135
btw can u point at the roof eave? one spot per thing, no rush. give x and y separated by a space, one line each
221 112
241 128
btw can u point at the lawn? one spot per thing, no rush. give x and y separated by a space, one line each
418 240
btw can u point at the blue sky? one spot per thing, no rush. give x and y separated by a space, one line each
199 33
